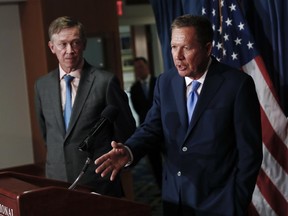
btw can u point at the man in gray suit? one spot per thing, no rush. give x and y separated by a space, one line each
92 90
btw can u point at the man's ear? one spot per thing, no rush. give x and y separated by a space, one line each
51 46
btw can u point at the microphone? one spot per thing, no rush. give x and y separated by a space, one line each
108 115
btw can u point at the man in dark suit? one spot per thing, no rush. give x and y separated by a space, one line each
92 91
142 90
211 161
142 98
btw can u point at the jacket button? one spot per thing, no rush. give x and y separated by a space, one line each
178 173
184 149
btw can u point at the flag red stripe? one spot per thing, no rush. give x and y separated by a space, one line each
252 210
274 144
272 194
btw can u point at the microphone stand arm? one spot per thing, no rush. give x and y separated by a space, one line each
87 163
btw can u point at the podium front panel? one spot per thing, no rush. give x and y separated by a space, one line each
24 195
62 202
8 206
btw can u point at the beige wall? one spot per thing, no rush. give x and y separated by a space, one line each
15 128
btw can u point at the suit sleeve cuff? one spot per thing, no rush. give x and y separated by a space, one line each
131 156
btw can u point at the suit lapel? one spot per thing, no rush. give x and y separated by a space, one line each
56 101
180 98
212 83
151 86
84 87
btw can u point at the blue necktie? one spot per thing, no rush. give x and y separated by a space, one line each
192 99
68 102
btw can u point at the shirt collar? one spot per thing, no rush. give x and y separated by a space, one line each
75 73
188 80
147 80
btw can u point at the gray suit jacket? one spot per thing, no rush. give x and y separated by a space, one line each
96 90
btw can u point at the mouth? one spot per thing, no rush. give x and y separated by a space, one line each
181 67
69 59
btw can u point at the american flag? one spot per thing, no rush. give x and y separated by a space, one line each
234 45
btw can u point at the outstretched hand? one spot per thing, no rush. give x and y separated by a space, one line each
113 161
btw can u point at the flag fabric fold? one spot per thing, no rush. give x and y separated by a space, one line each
234 45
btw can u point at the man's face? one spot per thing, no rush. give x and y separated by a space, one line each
68 47
189 56
141 69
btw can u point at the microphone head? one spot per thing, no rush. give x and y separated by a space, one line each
110 113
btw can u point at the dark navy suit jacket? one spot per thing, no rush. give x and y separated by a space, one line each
140 102
212 164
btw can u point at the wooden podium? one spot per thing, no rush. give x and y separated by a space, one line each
27 195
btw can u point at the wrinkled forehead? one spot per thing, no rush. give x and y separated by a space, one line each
184 34
67 34
177 37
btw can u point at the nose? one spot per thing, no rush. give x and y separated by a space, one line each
69 48
179 54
